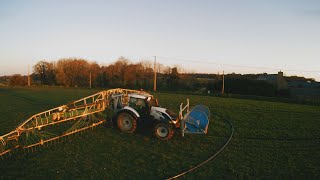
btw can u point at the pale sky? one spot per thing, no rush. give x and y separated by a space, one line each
241 36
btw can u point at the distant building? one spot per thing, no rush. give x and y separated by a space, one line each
303 84
276 79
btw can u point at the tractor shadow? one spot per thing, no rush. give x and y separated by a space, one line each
144 129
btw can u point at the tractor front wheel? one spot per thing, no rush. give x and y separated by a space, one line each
163 131
126 122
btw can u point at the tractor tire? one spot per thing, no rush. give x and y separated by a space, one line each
163 131
127 122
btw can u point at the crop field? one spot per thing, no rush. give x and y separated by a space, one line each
271 140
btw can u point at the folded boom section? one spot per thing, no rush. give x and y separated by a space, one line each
72 118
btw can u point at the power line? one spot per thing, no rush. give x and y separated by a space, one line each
233 65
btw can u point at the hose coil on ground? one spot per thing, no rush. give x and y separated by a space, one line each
210 158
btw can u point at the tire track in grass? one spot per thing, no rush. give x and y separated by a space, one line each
210 158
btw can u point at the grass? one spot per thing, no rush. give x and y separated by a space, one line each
271 140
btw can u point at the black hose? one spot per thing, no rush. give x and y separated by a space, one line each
210 158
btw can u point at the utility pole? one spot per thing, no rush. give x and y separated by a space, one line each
90 79
29 83
222 91
155 74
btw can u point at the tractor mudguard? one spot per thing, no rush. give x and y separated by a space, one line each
131 110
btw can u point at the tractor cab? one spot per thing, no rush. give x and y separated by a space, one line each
140 103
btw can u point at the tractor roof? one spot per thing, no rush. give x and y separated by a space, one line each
140 95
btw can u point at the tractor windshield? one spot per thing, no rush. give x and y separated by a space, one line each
137 103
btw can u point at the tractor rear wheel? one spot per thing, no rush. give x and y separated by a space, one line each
126 122
163 131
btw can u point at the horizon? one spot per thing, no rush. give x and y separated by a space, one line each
180 69
246 37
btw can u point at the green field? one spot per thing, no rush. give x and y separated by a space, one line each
271 140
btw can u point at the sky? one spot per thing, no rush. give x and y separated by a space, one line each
241 36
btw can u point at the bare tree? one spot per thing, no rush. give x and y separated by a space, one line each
17 80
45 71
73 72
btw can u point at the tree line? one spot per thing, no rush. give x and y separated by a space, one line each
77 72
